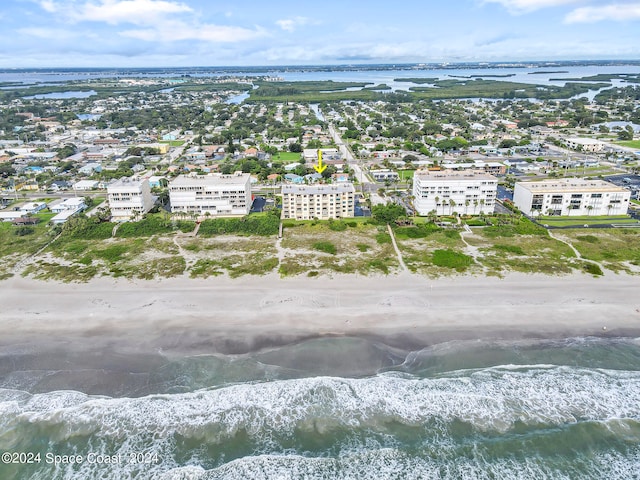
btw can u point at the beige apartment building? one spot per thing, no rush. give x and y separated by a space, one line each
306 202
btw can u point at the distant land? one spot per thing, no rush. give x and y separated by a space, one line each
338 68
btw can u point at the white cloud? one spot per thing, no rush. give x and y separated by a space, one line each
290 24
617 12
177 31
524 6
49 6
128 11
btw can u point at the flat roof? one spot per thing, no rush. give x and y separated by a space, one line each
444 175
570 185
318 189
584 141
211 179
127 182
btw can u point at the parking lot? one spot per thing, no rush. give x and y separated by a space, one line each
632 182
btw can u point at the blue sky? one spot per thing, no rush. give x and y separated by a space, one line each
149 33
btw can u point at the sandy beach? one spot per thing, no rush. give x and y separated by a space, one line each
236 316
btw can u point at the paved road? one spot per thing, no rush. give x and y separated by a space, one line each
368 186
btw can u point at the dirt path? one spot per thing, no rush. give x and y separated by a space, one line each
395 247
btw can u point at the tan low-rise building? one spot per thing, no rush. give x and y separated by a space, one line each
306 202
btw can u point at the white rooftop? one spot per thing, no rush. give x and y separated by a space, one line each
570 185
318 189
211 179
451 175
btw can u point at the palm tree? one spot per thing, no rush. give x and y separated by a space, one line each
437 199
589 208
481 204
452 205
475 206
466 205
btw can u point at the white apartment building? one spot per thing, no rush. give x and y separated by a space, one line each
127 196
306 202
446 192
215 194
584 144
571 196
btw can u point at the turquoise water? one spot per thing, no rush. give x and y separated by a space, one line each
336 408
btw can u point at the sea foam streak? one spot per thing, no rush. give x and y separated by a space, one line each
270 416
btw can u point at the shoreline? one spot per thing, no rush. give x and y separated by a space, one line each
218 315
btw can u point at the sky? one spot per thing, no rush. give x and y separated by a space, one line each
181 33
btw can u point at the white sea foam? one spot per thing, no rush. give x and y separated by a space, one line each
391 464
492 400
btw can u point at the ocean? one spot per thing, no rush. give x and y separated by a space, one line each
327 408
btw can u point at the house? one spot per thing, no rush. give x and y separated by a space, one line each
76 204
26 221
384 174
32 207
214 194
293 178
84 185
571 196
129 197
58 185
306 202
90 168
448 191
312 177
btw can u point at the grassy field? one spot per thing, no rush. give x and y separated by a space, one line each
630 144
618 249
286 157
18 243
314 248
173 143
406 174
585 220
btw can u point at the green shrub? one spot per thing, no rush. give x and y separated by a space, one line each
383 238
86 228
153 225
112 253
453 234
313 273
24 230
363 247
592 268
326 247
451 259
588 238
352 224
418 231
337 226
249 225
378 264
510 248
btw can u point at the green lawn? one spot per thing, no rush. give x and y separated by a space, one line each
630 144
580 221
173 143
287 157
406 174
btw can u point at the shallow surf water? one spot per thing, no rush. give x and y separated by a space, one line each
336 408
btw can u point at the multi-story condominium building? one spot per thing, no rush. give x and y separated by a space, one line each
215 194
306 202
571 196
446 192
585 144
129 197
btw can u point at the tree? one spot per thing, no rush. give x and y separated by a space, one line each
295 147
7 170
388 213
